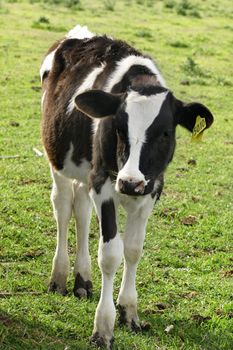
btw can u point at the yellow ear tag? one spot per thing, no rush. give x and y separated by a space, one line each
198 129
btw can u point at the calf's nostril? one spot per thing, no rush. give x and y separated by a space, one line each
139 187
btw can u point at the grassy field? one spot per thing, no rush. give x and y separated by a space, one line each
185 276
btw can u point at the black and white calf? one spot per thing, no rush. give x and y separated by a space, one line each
109 133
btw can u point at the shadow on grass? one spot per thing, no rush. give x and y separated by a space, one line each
23 334
19 333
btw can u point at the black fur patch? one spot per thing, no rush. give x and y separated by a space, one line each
54 287
186 114
142 326
81 284
128 78
99 341
97 103
108 220
149 90
122 314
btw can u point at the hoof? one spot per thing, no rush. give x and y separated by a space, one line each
132 323
122 314
54 287
82 289
100 342
140 326
135 326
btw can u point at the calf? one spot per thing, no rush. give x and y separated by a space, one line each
109 133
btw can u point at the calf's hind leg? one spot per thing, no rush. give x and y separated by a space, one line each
62 201
82 213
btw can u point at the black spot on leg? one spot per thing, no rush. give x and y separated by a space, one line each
132 324
82 288
108 220
99 341
54 287
135 327
122 314
140 327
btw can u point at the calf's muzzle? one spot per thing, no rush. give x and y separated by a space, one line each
131 187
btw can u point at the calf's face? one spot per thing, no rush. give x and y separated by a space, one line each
145 120
146 140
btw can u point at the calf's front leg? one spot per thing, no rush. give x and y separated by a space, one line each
133 246
109 258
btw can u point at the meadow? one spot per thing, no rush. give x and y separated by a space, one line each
185 277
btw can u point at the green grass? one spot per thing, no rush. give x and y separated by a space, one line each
185 276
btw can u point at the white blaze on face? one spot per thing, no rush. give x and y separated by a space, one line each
142 111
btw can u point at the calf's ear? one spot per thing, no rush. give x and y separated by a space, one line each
97 103
186 114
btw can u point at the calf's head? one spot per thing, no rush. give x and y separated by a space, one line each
145 119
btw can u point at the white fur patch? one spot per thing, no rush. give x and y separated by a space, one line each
72 171
142 111
124 65
110 254
106 193
77 32
86 85
47 64
134 205
109 259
